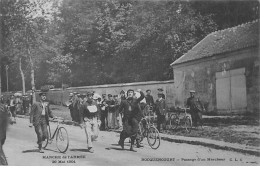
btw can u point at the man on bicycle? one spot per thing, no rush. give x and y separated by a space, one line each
196 109
88 115
39 118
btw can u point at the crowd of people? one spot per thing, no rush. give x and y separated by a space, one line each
94 112
121 111
17 104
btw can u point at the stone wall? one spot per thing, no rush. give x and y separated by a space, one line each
58 96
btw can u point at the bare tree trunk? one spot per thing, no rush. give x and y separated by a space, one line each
22 75
32 75
1 42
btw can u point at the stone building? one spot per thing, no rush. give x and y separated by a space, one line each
223 68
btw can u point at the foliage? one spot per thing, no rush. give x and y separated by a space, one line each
87 42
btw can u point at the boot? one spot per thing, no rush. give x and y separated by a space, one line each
40 148
132 143
138 144
121 143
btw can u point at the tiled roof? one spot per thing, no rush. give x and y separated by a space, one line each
227 40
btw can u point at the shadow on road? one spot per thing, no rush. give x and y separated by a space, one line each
31 151
37 150
82 150
114 148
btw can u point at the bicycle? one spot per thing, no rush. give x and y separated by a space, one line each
147 129
62 138
176 119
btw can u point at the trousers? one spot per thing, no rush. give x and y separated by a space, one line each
104 121
196 117
41 130
91 130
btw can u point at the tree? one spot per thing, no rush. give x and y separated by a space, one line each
59 69
27 34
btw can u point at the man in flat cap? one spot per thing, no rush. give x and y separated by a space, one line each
39 118
149 98
196 109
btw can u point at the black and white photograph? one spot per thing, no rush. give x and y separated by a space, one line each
129 83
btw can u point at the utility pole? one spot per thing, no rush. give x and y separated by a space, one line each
1 41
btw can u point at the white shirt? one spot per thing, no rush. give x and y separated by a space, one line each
43 108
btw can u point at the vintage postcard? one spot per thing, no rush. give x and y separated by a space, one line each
129 83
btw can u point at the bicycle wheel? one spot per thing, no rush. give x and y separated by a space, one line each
62 140
153 137
46 141
188 124
141 131
174 121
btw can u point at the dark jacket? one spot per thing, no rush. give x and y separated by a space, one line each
149 100
160 107
36 112
131 107
111 103
84 112
194 104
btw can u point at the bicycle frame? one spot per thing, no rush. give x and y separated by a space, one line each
52 137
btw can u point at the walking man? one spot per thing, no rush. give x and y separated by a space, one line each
39 118
196 109
160 107
88 120
130 108
3 127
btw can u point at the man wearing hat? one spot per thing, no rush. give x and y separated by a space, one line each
160 108
149 98
39 118
131 110
3 128
160 90
88 115
122 95
196 108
